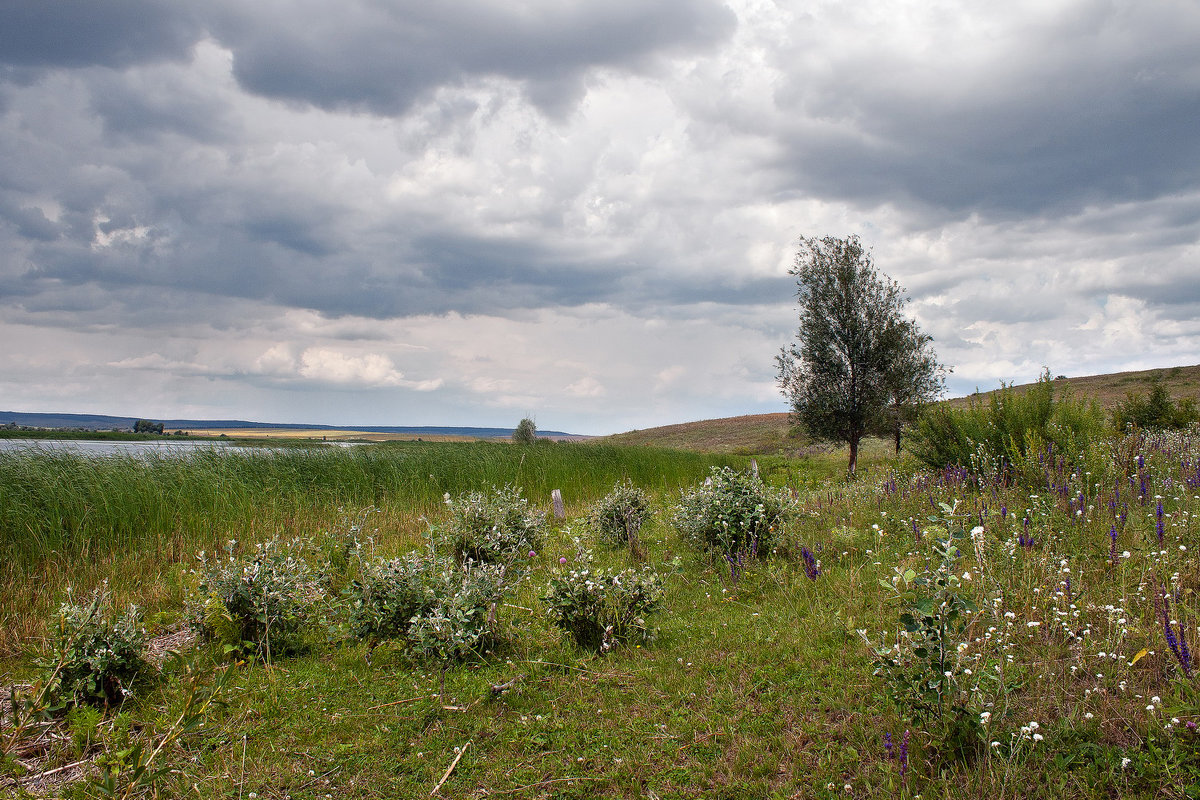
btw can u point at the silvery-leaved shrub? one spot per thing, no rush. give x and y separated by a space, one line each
733 513
98 655
459 622
618 516
493 527
599 608
443 609
261 600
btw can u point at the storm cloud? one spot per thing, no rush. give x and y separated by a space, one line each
465 212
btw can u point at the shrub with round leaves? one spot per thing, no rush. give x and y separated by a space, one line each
442 608
98 656
599 608
621 512
262 600
493 527
732 513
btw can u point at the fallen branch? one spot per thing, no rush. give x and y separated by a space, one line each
39 776
450 768
402 702
500 688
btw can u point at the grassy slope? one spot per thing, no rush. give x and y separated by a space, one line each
769 433
1108 390
757 433
761 687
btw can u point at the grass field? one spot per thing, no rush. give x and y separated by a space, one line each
1055 676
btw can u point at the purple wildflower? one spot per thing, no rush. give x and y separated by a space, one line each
1024 538
903 757
1177 644
1112 547
811 569
1159 528
887 746
735 566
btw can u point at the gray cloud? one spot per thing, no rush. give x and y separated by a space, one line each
608 193
80 33
1045 117
380 57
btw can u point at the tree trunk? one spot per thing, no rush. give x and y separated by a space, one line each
853 455
897 435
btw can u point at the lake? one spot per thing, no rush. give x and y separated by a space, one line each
114 448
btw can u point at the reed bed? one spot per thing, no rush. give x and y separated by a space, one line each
69 519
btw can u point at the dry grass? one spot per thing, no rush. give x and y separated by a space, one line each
754 434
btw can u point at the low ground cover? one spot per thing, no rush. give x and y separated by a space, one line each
945 634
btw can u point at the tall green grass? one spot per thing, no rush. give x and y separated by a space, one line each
63 512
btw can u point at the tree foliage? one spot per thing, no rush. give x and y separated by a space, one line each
526 432
914 379
856 355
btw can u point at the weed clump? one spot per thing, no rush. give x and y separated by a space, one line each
618 516
98 657
732 514
261 601
599 608
493 527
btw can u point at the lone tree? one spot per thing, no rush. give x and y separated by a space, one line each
856 355
526 432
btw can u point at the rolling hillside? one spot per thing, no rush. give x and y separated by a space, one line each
769 433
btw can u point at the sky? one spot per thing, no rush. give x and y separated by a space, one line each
384 212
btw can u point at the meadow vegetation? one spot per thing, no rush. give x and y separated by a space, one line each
1020 621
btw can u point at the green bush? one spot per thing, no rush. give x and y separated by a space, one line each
493 527
732 513
458 622
262 601
391 592
98 657
525 432
1157 411
1010 434
443 609
620 514
600 608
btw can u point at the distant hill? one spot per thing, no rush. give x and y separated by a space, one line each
1108 390
770 433
102 422
758 433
